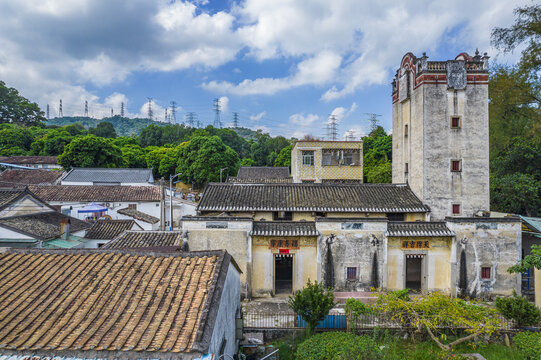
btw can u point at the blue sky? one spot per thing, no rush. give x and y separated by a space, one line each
284 66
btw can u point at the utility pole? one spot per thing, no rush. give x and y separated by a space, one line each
150 113
217 121
235 120
221 173
122 109
332 132
48 112
86 108
373 118
173 118
60 113
171 177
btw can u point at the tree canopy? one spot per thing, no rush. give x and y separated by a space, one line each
90 151
16 109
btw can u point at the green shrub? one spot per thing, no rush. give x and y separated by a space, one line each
530 344
357 308
313 303
519 309
401 294
338 346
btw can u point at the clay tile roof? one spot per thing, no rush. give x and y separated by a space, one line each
262 172
284 228
108 229
139 215
418 229
42 226
378 198
87 193
25 160
9 195
236 179
106 175
14 177
97 301
138 239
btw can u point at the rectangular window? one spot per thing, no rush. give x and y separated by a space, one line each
485 272
352 273
326 158
455 122
456 209
396 216
406 168
282 215
406 130
337 157
308 158
456 165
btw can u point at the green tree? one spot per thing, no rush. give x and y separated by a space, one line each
527 28
247 162
169 160
380 173
104 129
284 157
153 158
14 140
151 136
90 151
533 260
16 109
133 156
313 303
518 308
201 159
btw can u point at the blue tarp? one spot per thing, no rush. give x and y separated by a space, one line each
93 208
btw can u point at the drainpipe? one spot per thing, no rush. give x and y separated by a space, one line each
162 205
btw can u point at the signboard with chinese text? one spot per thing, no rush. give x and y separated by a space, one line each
415 244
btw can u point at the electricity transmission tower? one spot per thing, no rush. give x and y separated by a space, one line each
350 135
165 117
217 109
47 111
150 113
112 113
173 116
86 108
373 118
60 113
332 131
190 118
235 120
122 109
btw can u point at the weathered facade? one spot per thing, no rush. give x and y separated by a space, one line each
440 133
327 161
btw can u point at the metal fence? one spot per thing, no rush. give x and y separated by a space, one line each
290 320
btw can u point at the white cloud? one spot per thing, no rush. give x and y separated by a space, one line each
224 104
355 133
341 113
258 117
316 70
303 120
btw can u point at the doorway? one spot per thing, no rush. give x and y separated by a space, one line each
283 274
414 272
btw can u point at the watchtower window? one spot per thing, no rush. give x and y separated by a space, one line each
406 130
308 157
351 273
406 168
455 122
456 165
485 272
456 209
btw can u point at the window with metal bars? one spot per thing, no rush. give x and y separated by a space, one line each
485 272
352 273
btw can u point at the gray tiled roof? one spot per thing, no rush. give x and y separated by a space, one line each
148 239
108 229
378 198
284 228
14 177
263 172
9 195
139 215
236 179
418 228
26 160
87 193
105 175
42 226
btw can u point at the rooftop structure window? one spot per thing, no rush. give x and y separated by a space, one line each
308 157
337 157
351 273
455 122
396 216
486 272
282 215
456 165
456 209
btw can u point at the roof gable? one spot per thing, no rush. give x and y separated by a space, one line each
42 226
380 198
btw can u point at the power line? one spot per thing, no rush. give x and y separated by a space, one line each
217 109
332 131
150 113
173 117
373 118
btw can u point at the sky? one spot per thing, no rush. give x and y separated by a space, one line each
284 66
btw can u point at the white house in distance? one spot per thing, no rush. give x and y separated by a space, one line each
108 176
34 162
143 204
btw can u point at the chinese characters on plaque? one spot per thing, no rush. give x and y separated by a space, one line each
415 244
284 243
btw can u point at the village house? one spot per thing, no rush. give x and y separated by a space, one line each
109 176
113 304
35 162
261 174
104 230
27 221
151 240
429 230
144 204
316 161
